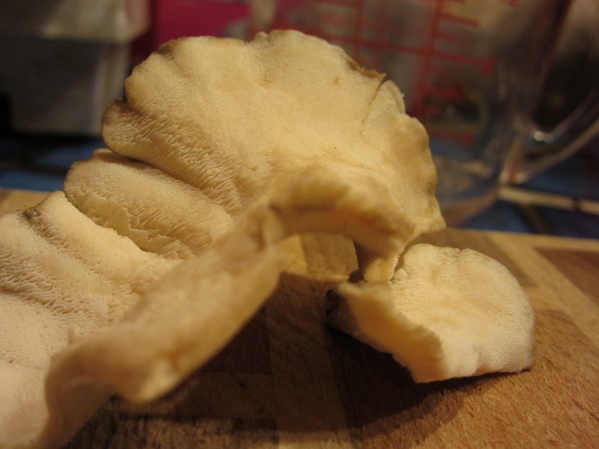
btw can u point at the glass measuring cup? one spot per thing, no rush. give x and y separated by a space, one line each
471 71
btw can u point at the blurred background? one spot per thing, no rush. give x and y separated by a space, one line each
63 61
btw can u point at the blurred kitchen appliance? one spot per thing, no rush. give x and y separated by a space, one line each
63 61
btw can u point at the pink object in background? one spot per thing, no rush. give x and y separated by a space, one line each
177 18
172 19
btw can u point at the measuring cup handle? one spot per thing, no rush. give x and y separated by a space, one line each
572 83
543 149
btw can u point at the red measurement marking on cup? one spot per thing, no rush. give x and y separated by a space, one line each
424 92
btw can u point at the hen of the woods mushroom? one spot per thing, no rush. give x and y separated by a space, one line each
164 245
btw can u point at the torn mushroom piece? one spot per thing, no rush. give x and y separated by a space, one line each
196 308
445 313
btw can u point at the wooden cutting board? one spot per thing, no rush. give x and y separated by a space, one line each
287 381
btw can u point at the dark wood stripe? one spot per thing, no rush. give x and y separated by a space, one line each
3 195
120 430
580 267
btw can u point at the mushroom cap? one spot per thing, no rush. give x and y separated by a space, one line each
230 117
445 313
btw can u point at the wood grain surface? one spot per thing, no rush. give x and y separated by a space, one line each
288 381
